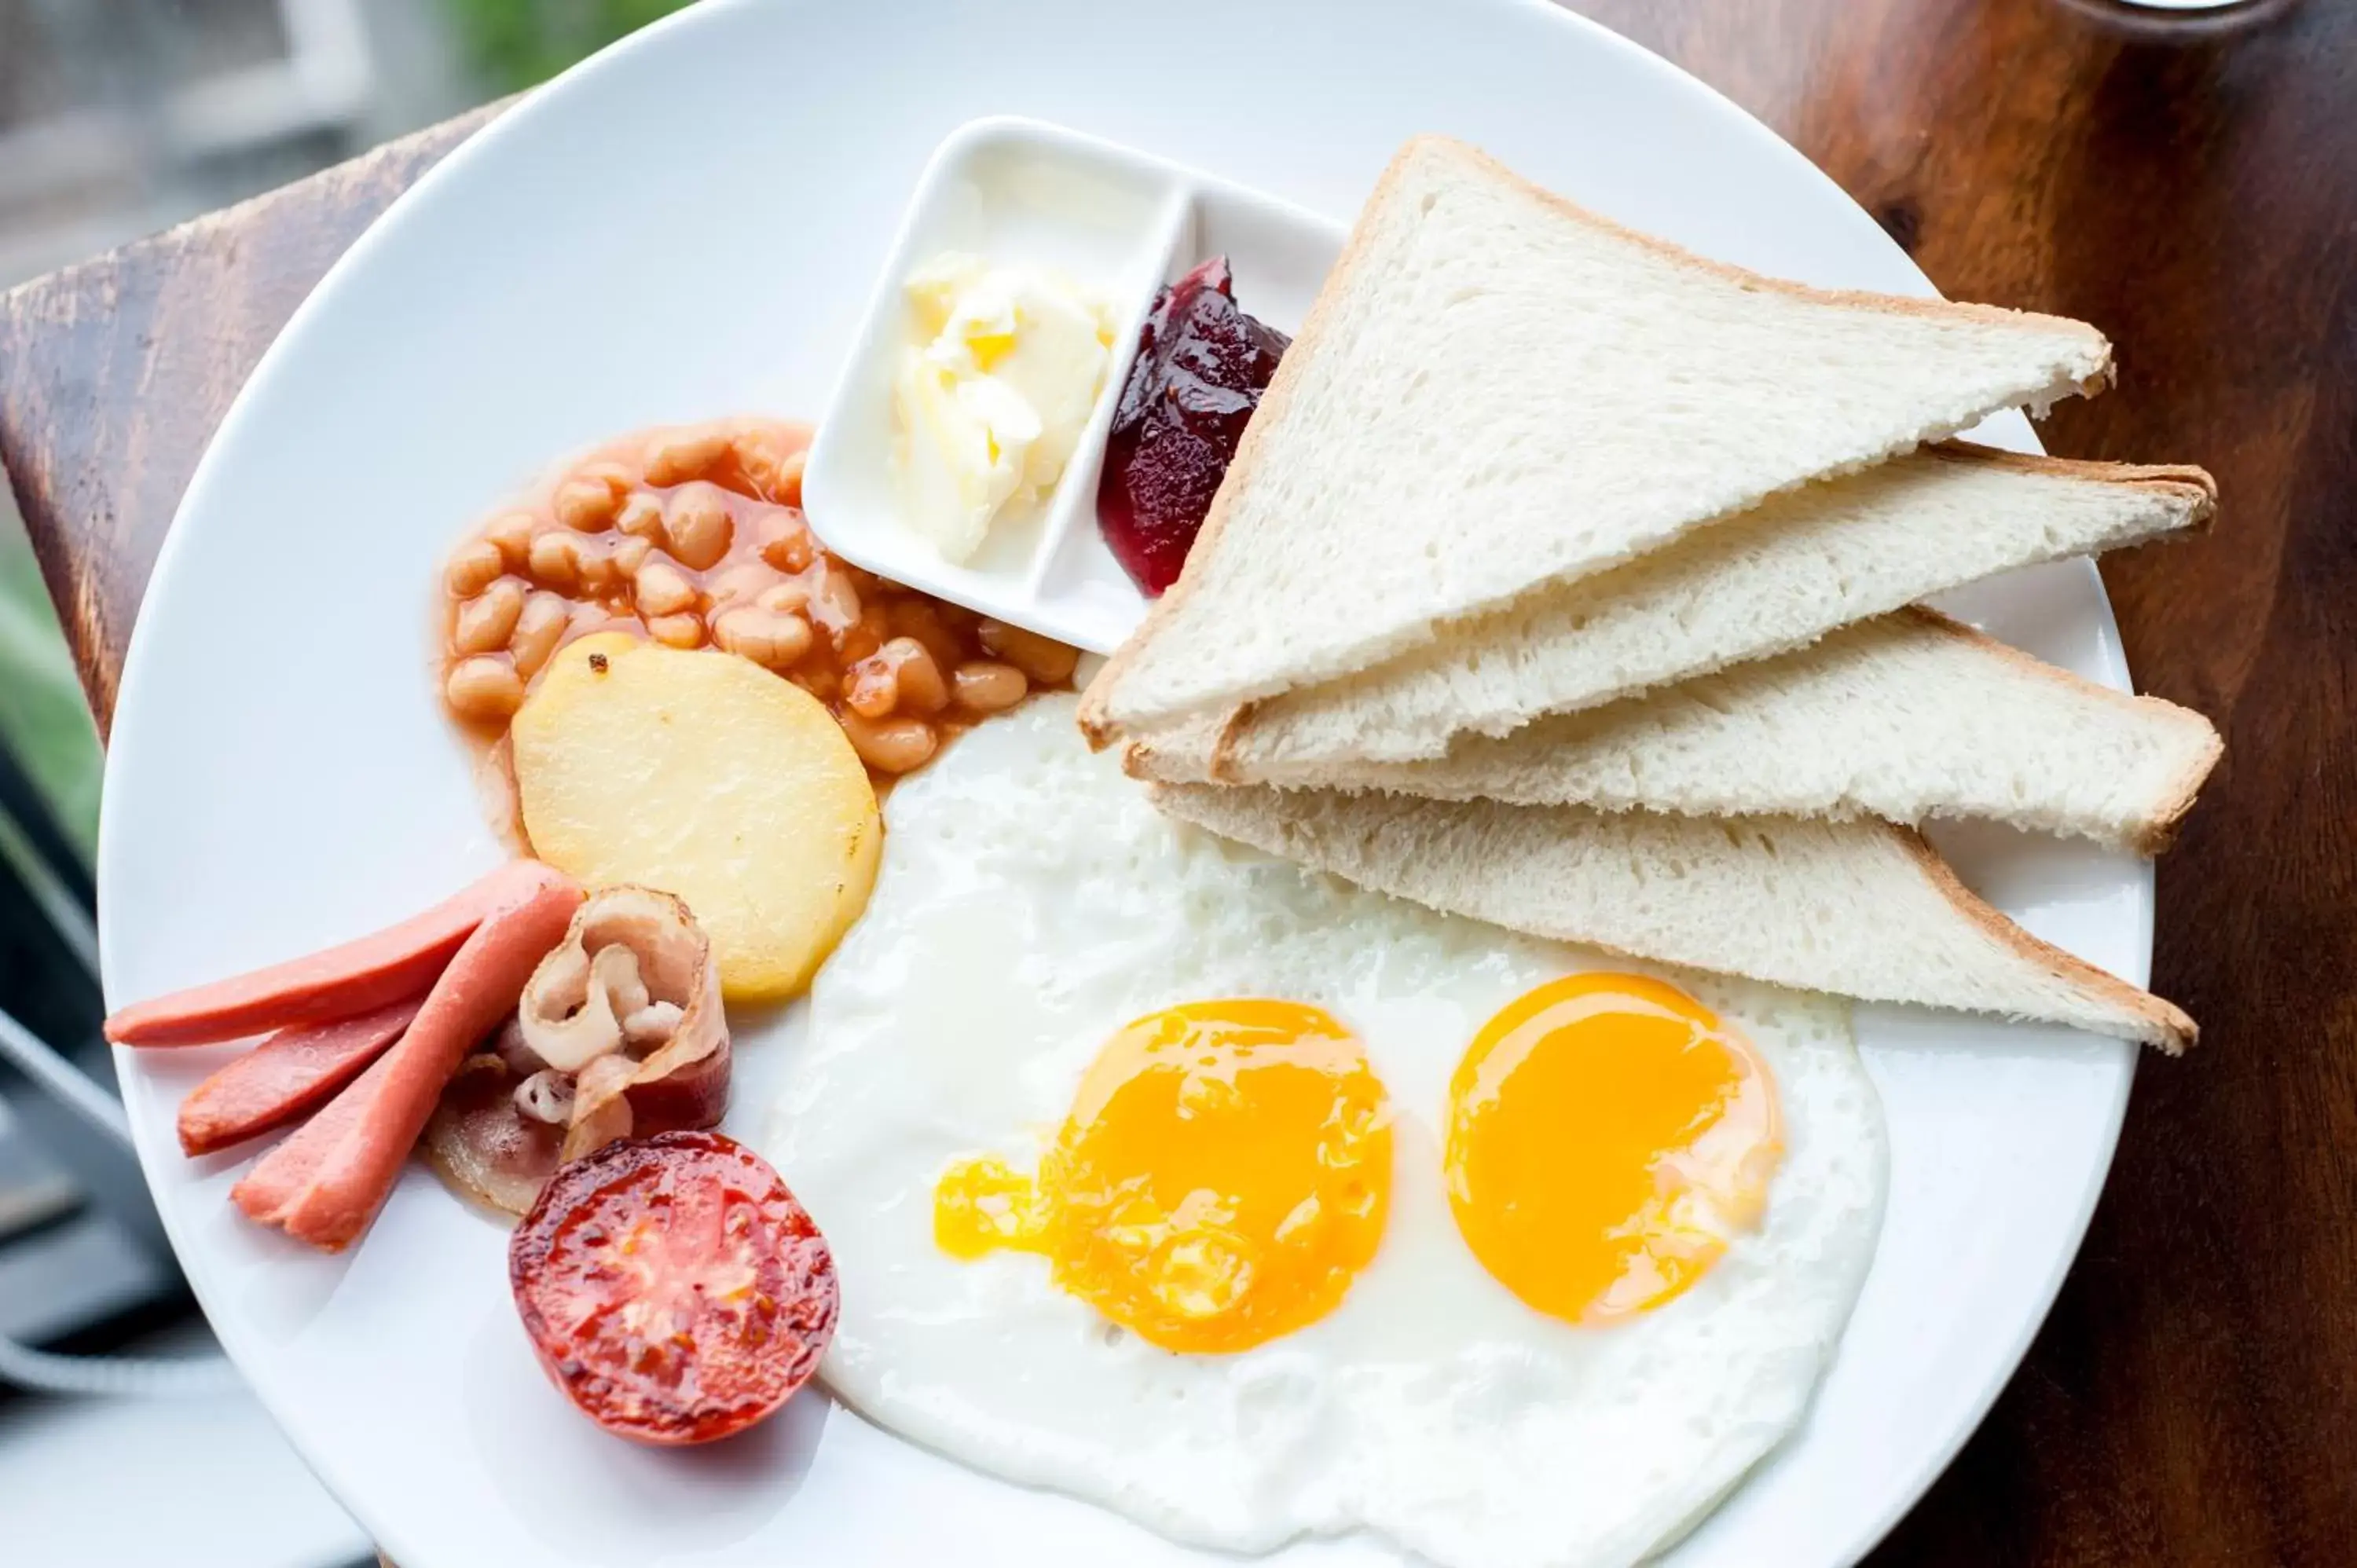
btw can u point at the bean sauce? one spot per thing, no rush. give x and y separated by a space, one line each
692 536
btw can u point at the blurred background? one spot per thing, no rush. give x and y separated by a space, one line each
119 118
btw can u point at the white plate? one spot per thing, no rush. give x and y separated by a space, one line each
688 227
1123 224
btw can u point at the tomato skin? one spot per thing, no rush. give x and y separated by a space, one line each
672 1288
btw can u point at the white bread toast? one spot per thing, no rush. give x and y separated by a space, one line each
1496 389
1861 909
1909 716
1775 578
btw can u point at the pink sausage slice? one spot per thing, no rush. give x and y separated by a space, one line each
287 1077
395 963
325 1184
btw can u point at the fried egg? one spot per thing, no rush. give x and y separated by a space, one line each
1256 1207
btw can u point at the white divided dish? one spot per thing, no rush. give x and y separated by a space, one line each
1120 224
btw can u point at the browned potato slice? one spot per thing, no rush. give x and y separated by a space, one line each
706 776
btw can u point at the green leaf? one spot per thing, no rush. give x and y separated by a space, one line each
44 721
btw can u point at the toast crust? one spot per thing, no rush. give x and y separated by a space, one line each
1863 299
2161 827
2167 1027
2190 480
1095 718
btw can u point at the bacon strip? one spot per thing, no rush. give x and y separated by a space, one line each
287 1077
324 1185
393 964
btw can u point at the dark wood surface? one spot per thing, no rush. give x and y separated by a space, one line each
2191 188
114 373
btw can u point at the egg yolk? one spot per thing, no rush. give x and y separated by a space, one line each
1223 1176
1605 1136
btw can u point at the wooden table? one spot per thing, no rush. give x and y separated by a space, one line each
2191 188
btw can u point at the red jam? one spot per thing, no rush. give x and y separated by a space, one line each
1202 366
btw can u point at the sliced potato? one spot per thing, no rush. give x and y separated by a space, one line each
703 775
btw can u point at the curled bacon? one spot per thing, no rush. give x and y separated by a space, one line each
620 1033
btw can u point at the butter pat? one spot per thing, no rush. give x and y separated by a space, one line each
992 394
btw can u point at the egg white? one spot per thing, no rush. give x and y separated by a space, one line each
1030 903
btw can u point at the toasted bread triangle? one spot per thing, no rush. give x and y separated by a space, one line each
1861 909
1773 579
1909 716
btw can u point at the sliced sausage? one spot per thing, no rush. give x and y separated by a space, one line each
324 1185
361 976
287 1077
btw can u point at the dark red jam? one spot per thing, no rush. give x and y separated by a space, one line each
1202 366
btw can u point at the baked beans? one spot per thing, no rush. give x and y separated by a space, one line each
984 687
474 566
694 536
539 631
483 688
487 623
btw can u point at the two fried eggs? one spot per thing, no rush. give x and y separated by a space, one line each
1255 1206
